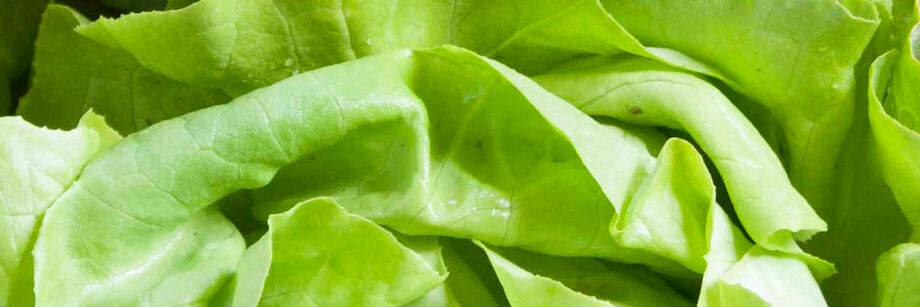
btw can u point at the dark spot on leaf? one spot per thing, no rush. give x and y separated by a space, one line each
635 110
479 144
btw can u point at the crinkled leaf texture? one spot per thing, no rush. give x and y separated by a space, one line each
316 254
480 156
241 45
576 281
445 143
893 109
73 73
37 166
899 276
430 142
646 92
804 78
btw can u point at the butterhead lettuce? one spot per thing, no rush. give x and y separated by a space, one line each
460 153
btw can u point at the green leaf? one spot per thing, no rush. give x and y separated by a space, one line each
250 44
804 78
735 271
532 279
37 166
18 24
128 225
73 74
471 280
645 92
865 220
899 276
893 108
438 142
317 254
768 278
475 189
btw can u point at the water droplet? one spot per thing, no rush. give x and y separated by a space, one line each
289 62
504 203
367 41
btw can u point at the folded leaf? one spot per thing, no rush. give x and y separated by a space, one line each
731 273
128 225
893 107
73 73
18 25
249 44
495 172
804 78
768 278
120 258
893 110
864 220
337 32
37 166
430 142
317 254
645 92
899 276
536 280
471 280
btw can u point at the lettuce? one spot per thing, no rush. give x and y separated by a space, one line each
460 153
18 24
106 80
892 115
38 165
280 269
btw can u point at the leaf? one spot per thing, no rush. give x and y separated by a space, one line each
804 78
475 190
154 186
645 92
892 107
438 142
250 44
37 166
73 74
18 25
736 272
768 278
898 271
317 254
536 280
865 220
471 280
